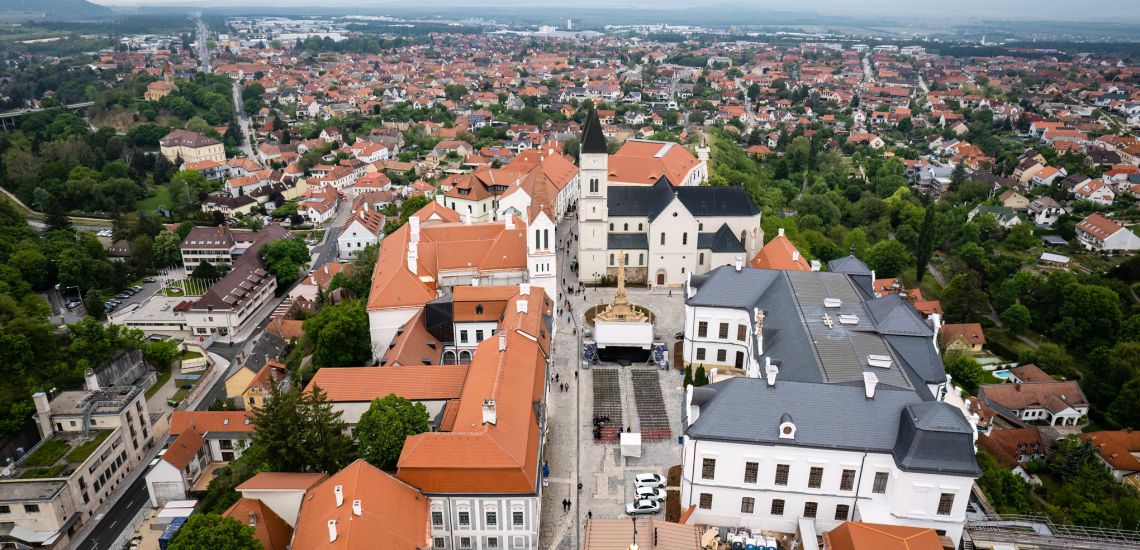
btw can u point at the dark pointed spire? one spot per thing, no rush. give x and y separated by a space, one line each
593 141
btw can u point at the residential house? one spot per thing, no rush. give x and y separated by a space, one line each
352 389
1120 450
1102 234
1015 448
281 492
780 253
966 337
1044 211
1005 217
1057 403
363 228
1013 200
319 205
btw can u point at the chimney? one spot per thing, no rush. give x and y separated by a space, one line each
509 220
339 492
520 306
413 257
252 518
770 371
870 380
467 218
414 229
332 530
502 341
816 266
524 289
489 416
758 329
780 232
795 255
43 414
739 263
91 380
356 509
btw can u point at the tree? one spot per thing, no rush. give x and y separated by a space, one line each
454 92
298 431
324 433
925 246
964 300
1051 358
205 270
1015 319
888 258
215 532
167 249
701 378
964 370
1005 490
160 353
284 258
339 335
383 428
688 381
958 176
1021 237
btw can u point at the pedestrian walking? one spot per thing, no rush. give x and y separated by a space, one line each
575 375
556 377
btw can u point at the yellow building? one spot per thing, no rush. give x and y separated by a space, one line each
191 147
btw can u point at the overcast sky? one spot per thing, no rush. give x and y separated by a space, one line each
1107 10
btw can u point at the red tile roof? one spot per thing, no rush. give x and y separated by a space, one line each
268 527
1120 449
970 333
394 515
780 254
281 481
416 383
211 421
853 535
183 448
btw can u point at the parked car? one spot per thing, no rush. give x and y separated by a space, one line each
137 288
73 304
650 493
649 480
123 295
643 506
148 279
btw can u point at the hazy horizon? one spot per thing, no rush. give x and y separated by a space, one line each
1031 10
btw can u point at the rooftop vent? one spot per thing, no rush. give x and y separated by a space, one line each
832 302
882 361
339 492
332 530
870 380
356 509
489 416
849 319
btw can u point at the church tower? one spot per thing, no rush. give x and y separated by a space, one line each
593 211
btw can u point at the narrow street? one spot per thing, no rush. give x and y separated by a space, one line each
242 121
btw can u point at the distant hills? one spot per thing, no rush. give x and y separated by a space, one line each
56 10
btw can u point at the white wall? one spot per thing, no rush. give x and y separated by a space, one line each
286 503
382 326
510 537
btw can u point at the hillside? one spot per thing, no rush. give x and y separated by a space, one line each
56 10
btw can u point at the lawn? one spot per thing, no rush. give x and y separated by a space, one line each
80 453
188 355
43 473
160 199
178 396
163 378
47 454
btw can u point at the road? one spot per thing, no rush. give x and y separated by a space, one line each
243 121
111 526
203 48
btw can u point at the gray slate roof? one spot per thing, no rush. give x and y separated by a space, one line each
627 241
700 200
724 240
922 436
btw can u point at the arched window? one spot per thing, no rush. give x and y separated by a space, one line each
538 238
641 259
662 238
611 226
626 259
639 227
684 239
593 185
701 259
479 309
700 227
546 239
611 259
627 227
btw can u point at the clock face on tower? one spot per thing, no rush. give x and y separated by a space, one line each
593 162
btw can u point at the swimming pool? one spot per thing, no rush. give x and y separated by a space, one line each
1003 374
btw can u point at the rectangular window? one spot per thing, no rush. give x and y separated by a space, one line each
438 543
708 468
464 518
747 505
777 507
463 337
847 482
810 509
945 504
465 543
721 355
437 518
517 519
5 509
815 478
702 329
724 331
841 512
662 238
31 508
706 501
479 335
493 542
700 354
782 474
741 332
880 486
492 519
750 471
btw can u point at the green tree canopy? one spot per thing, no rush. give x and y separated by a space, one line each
888 258
339 335
384 427
215 532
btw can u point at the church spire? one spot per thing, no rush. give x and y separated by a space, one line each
593 140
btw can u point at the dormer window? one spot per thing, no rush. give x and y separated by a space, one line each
787 427
479 309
